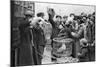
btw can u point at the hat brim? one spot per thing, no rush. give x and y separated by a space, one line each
28 15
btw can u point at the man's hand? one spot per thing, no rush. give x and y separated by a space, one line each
51 12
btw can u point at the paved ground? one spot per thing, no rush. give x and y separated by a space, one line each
47 57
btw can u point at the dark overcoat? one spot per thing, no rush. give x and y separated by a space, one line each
25 47
39 44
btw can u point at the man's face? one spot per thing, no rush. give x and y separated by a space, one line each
28 17
58 19
42 16
72 16
64 19
84 18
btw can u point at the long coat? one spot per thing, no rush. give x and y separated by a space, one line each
39 44
15 40
25 48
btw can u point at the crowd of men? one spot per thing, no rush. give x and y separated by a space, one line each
34 33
